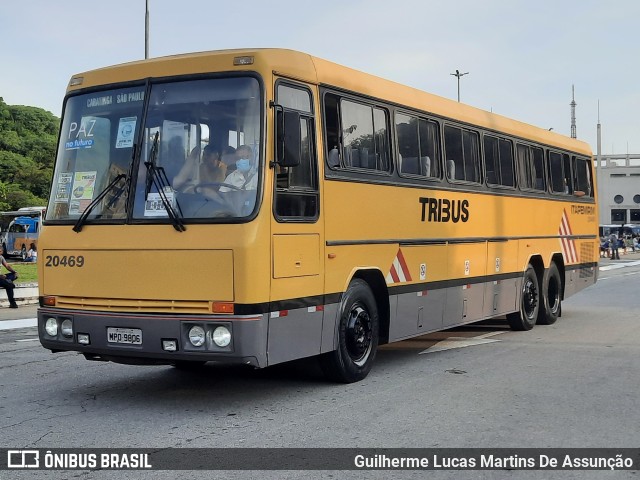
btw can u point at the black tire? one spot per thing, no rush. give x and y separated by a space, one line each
551 296
357 340
526 318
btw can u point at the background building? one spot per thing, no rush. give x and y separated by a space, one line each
619 189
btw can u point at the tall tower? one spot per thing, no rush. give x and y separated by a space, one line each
573 112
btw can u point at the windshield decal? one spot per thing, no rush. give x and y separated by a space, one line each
154 206
82 192
63 189
83 135
126 130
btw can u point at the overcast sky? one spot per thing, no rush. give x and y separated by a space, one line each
522 56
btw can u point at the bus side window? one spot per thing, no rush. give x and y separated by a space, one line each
531 160
463 154
332 131
582 175
418 141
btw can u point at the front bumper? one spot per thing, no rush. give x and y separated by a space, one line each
248 337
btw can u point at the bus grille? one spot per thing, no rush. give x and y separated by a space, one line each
586 256
128 305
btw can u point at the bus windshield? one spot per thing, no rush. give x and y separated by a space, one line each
195 157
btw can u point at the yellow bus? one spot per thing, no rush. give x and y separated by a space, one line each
346 211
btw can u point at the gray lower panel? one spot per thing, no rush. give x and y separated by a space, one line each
417 313
464 304
296 335
576 280
500 297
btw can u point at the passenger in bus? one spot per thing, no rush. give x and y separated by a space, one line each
229 158
212 170
32 254
6 282
244 176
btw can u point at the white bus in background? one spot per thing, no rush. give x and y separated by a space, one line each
22 229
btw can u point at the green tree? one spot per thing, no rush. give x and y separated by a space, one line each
28 138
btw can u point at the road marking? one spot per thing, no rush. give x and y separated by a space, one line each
618 276
460 342
13 324
615 266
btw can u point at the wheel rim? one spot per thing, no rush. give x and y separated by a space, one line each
554 295
358 335
530 298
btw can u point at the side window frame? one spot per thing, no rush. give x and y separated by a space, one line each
464 161
555 166
288 195
526 156
588 171
433 164
336 157
499 162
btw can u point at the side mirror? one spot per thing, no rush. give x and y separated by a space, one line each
288 139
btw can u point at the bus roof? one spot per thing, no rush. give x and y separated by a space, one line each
315 70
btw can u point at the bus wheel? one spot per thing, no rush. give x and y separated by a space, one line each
551 295
526 318
357 336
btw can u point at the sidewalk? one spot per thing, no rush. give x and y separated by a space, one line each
24 293
628 256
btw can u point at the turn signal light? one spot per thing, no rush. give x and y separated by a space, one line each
222 307
49 301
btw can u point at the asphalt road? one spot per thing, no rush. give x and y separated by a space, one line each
572 384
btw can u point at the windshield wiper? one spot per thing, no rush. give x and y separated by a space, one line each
157 176
80 222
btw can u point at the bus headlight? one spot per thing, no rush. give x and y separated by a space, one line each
67 328
196 336
221 336
51 327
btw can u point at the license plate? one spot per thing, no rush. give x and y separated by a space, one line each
130 336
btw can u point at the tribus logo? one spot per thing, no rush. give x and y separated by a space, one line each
444 210
23 459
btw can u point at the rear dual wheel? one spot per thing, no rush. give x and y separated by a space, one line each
526 318
538 303
551 295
